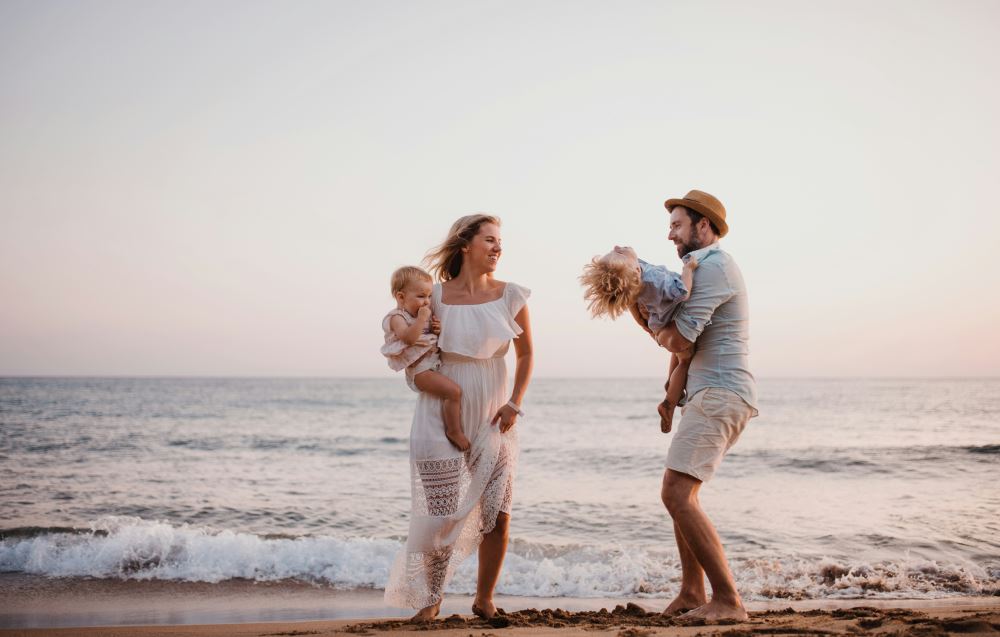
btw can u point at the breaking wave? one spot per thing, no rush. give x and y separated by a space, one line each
130 548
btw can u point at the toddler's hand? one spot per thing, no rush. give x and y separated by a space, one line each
436 325
691 263
424 313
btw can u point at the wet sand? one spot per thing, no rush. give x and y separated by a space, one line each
968 616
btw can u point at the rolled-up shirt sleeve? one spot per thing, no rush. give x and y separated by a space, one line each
711 290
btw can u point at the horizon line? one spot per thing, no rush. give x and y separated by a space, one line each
389 378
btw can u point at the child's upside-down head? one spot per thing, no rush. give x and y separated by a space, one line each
612 283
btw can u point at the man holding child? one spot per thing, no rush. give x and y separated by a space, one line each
721 398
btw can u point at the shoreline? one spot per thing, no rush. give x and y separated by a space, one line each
41 606
920 617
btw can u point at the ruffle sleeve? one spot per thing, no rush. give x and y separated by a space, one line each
517 298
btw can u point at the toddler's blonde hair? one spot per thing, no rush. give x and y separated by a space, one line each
609 289
406 275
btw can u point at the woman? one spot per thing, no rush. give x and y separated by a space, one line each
463 501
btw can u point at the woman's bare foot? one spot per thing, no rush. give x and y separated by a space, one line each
683 604
485 609
716 611
458 439
666 411
426 614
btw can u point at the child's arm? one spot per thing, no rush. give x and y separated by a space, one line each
410 334
687 276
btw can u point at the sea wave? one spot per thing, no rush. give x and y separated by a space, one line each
135 549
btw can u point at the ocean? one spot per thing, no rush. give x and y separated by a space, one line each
875 489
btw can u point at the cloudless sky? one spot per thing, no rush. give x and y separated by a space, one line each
200 188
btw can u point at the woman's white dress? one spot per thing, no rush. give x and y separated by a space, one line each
456 497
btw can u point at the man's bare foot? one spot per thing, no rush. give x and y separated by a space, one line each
458 439
485 609
666 411
715 612
683 604
426 614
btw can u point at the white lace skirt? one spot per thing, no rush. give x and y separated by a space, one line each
455 498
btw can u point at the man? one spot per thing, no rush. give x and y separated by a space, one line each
721 397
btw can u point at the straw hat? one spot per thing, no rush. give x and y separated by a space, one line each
705 205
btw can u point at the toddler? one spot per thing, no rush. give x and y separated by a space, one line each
620 281
410 345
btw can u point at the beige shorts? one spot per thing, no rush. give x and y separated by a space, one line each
711 423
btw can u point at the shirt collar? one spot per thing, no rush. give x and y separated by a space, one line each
701 253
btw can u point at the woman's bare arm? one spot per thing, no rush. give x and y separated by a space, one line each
522 371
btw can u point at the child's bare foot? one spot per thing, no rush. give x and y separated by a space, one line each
458 439
666 411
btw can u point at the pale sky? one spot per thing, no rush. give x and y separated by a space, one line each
205 188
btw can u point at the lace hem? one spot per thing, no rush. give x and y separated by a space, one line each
455 503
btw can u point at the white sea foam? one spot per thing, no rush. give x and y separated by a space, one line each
132 548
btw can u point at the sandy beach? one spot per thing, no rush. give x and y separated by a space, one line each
906 617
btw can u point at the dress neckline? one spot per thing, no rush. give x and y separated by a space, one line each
500 298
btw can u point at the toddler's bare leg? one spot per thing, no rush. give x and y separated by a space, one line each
678 376
666 408
670 371
676 381
450 393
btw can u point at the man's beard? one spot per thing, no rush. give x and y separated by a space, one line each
689 246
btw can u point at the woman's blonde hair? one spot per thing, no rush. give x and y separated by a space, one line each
609 288
406 275
445 261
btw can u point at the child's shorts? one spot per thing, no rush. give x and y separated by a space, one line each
430 361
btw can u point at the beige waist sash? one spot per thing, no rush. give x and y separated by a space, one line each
452 357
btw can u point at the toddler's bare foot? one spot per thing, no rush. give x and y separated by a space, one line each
666 411
458 439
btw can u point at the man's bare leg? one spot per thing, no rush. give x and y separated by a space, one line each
680 496
492 550
692 593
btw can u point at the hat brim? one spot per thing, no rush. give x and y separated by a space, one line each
704 211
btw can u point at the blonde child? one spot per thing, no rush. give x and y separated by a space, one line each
410 345
620 281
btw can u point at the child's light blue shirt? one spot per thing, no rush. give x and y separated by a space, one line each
662 290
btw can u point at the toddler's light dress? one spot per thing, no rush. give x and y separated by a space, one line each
416 358
662 290
456 497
